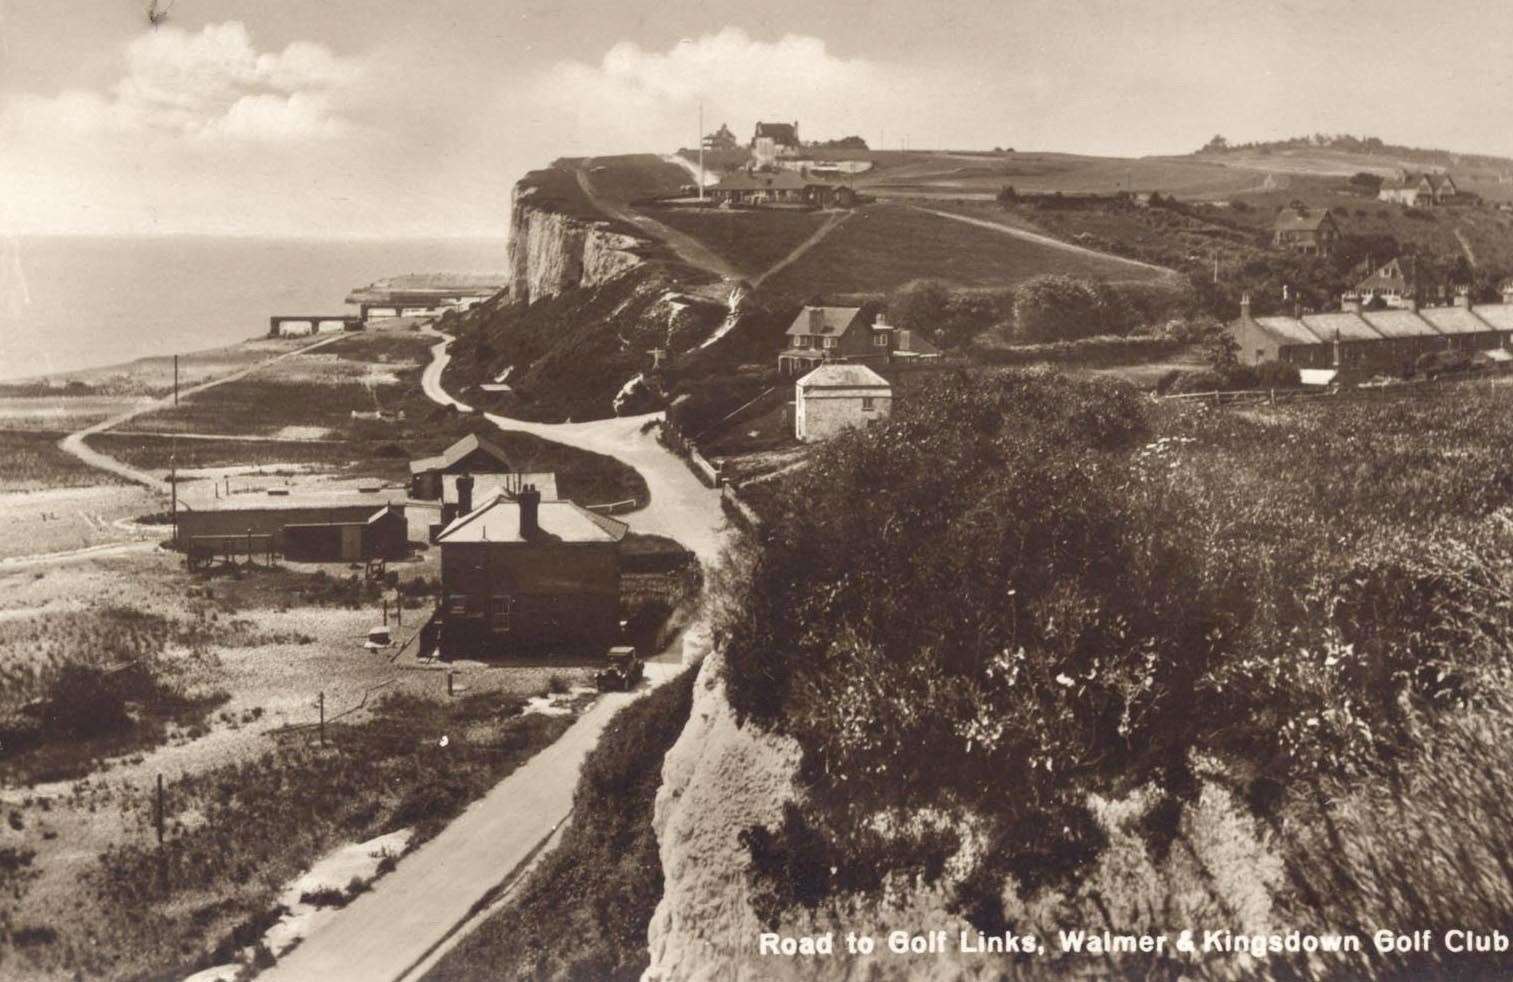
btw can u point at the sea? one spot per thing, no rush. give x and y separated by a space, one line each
69 303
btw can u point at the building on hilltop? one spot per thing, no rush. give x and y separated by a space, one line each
1312 233
836 397
774 140
1420 190
470 455
721 139
521 574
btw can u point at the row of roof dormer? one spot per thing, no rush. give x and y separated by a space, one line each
1387 325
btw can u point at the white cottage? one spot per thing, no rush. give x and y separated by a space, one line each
838 395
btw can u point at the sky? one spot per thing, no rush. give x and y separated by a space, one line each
381 119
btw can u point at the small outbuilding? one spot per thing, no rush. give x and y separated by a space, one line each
309 527
836 396
470 455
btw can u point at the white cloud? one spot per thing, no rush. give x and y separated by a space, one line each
213 85
644 99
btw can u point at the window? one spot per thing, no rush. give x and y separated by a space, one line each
868 404
903 340
880 339
457 604
802 342
830 342
500 613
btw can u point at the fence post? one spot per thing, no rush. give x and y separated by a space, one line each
1272 396
386 611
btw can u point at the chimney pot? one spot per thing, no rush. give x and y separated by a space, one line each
464 493
530 512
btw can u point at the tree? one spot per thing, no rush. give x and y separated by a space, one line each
919 305
1366 183
1057 308
1008 196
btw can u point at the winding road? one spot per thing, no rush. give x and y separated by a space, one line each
74 443
393 931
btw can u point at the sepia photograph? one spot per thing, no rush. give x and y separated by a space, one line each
688 491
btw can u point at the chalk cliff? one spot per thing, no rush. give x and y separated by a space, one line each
720 778
550 252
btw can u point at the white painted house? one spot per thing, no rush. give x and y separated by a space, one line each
837 395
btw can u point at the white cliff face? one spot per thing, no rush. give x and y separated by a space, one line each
550 252
720 778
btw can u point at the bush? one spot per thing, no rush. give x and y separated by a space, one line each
1277 375
1201 380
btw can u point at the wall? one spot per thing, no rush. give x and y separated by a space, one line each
821 413
550 252
562 593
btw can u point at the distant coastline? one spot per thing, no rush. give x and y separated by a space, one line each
74 305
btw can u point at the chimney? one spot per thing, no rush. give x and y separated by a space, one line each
816 320
1245 306
530 512
464 493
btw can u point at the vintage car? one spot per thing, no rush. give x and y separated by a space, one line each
623 672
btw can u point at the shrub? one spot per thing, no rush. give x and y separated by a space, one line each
1201 380
1277 375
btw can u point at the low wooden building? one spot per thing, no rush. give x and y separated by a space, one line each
752 188
522 575
309 527
836 397
470 455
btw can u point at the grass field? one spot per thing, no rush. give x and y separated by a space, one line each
888 245
33 462
752 240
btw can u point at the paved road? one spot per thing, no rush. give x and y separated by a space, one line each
1045 240
386 932
74 443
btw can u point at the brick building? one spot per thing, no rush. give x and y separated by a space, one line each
522 575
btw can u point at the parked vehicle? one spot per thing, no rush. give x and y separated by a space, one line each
624 671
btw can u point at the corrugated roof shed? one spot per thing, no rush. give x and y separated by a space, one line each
1399 323
260 501
830 322
1350 327
456 452
843 376
498 520
1288 330
1454 320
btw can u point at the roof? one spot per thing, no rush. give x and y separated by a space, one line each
783 180
833 322
487 485
1399 323
1454 320
1499 315
498 520
842 375
784 133
451 455
1396 273
261 501
1347 327
1292 220
1287 329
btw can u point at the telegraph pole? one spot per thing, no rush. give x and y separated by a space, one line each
701 150
175 380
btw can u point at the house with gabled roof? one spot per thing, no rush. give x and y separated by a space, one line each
1395 283
820 334
1420 190
1312 232
524 575
774 140
470 455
